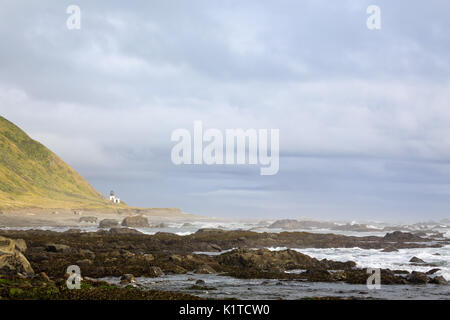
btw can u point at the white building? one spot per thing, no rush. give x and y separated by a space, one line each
113 198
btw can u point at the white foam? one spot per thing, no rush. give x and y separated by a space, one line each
375 258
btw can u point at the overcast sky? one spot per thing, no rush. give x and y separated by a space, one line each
364 115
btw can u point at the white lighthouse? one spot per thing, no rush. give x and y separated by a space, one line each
113 198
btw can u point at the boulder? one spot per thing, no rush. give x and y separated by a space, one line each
205 269
155 272
439 280
402 237
127 279
108 223
12 261
418 278
416 260
319 275
433 271
389 249
264 259
54 247
135 222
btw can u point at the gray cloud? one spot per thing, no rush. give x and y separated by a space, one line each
363 115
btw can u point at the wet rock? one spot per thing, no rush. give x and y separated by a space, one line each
127 279
200 282
135 222
439 280
205 269
418 278
389 249
108 223
53 247
88 219
117 230
187 224
433 271
318 275
264 259
209 230
155 272
416 260
178 270
402 237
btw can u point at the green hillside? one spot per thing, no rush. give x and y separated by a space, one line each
31 176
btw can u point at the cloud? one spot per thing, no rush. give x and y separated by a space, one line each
363 115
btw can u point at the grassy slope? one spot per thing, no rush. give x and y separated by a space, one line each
31 176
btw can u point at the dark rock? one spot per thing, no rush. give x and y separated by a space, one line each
210 230
318 275
439 280
416 260
205 269
127 279
200 282
155 272
418 278
135 222
402 236
264 259
117 230
433 271
108 223
215 247
389 249
53 247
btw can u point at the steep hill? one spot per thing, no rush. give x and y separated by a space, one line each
31 176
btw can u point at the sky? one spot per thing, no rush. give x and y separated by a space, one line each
363 115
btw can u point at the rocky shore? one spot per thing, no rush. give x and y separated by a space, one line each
33 263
